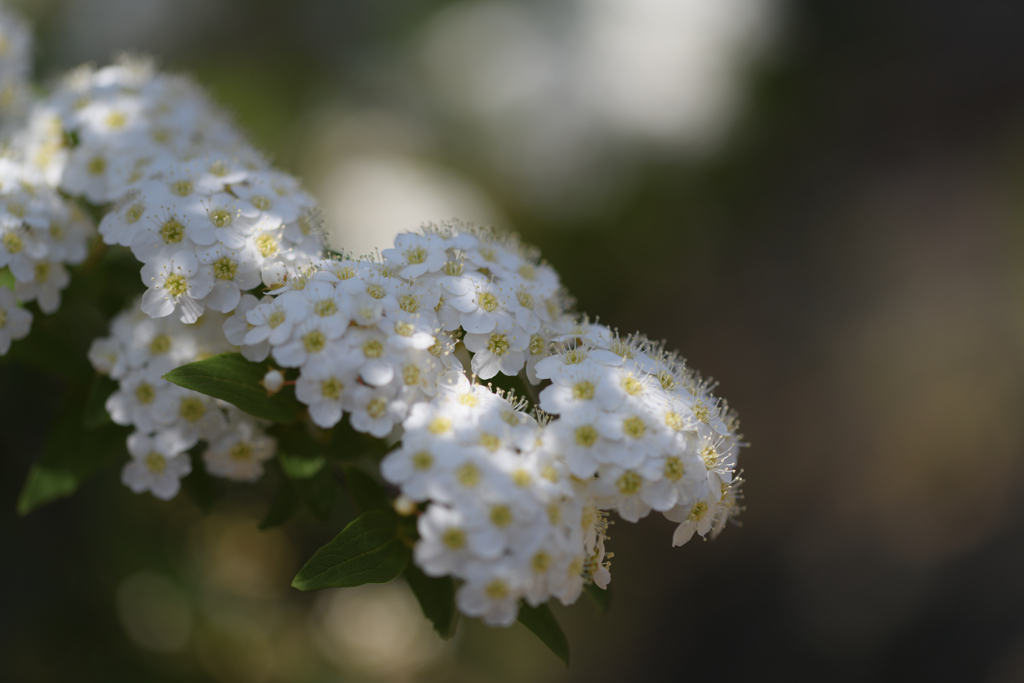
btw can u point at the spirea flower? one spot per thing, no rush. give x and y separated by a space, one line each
171 420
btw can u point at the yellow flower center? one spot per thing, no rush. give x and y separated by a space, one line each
487 301
240 452
331 388
161 344
439 425
156 463
96 166
468 475
498 344
314 341
275 319
416 255
13 243
373 348
325 307
221 218
634 427
422 461
225 268
674 469
260 202
629 483
192 409
182 188
172 231
377 407
501 516
176 284
454 539
586 436
583 391
145 393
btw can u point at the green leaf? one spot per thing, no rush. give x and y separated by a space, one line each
366 492
542 622
600 597
437 598
95 413
70 456
369 550
232 378
283 507
312 480
301 467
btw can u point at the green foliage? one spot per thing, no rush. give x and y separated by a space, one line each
437 599
283 506
542 622
366 492
372 549
312 481
71 455
600 597
232 378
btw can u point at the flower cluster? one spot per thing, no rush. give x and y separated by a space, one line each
643 428
503 515
40 234
513 500
371 336
169 420
200 208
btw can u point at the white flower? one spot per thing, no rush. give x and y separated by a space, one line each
15 321
274 318
414 465
233 271
492 593
143 400
482 305
158 463
219 219
50 278
314 346
697 517
239 454
176 284
416 255
500 350
374 411
443 546
323 390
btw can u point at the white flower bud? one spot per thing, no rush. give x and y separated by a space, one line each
273 381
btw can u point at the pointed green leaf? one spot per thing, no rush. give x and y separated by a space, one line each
599 596
232 378
70 456
366 492
369 550
542 622
437 598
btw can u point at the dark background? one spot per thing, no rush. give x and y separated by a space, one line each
844 257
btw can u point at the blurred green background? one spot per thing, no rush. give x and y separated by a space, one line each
819 204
